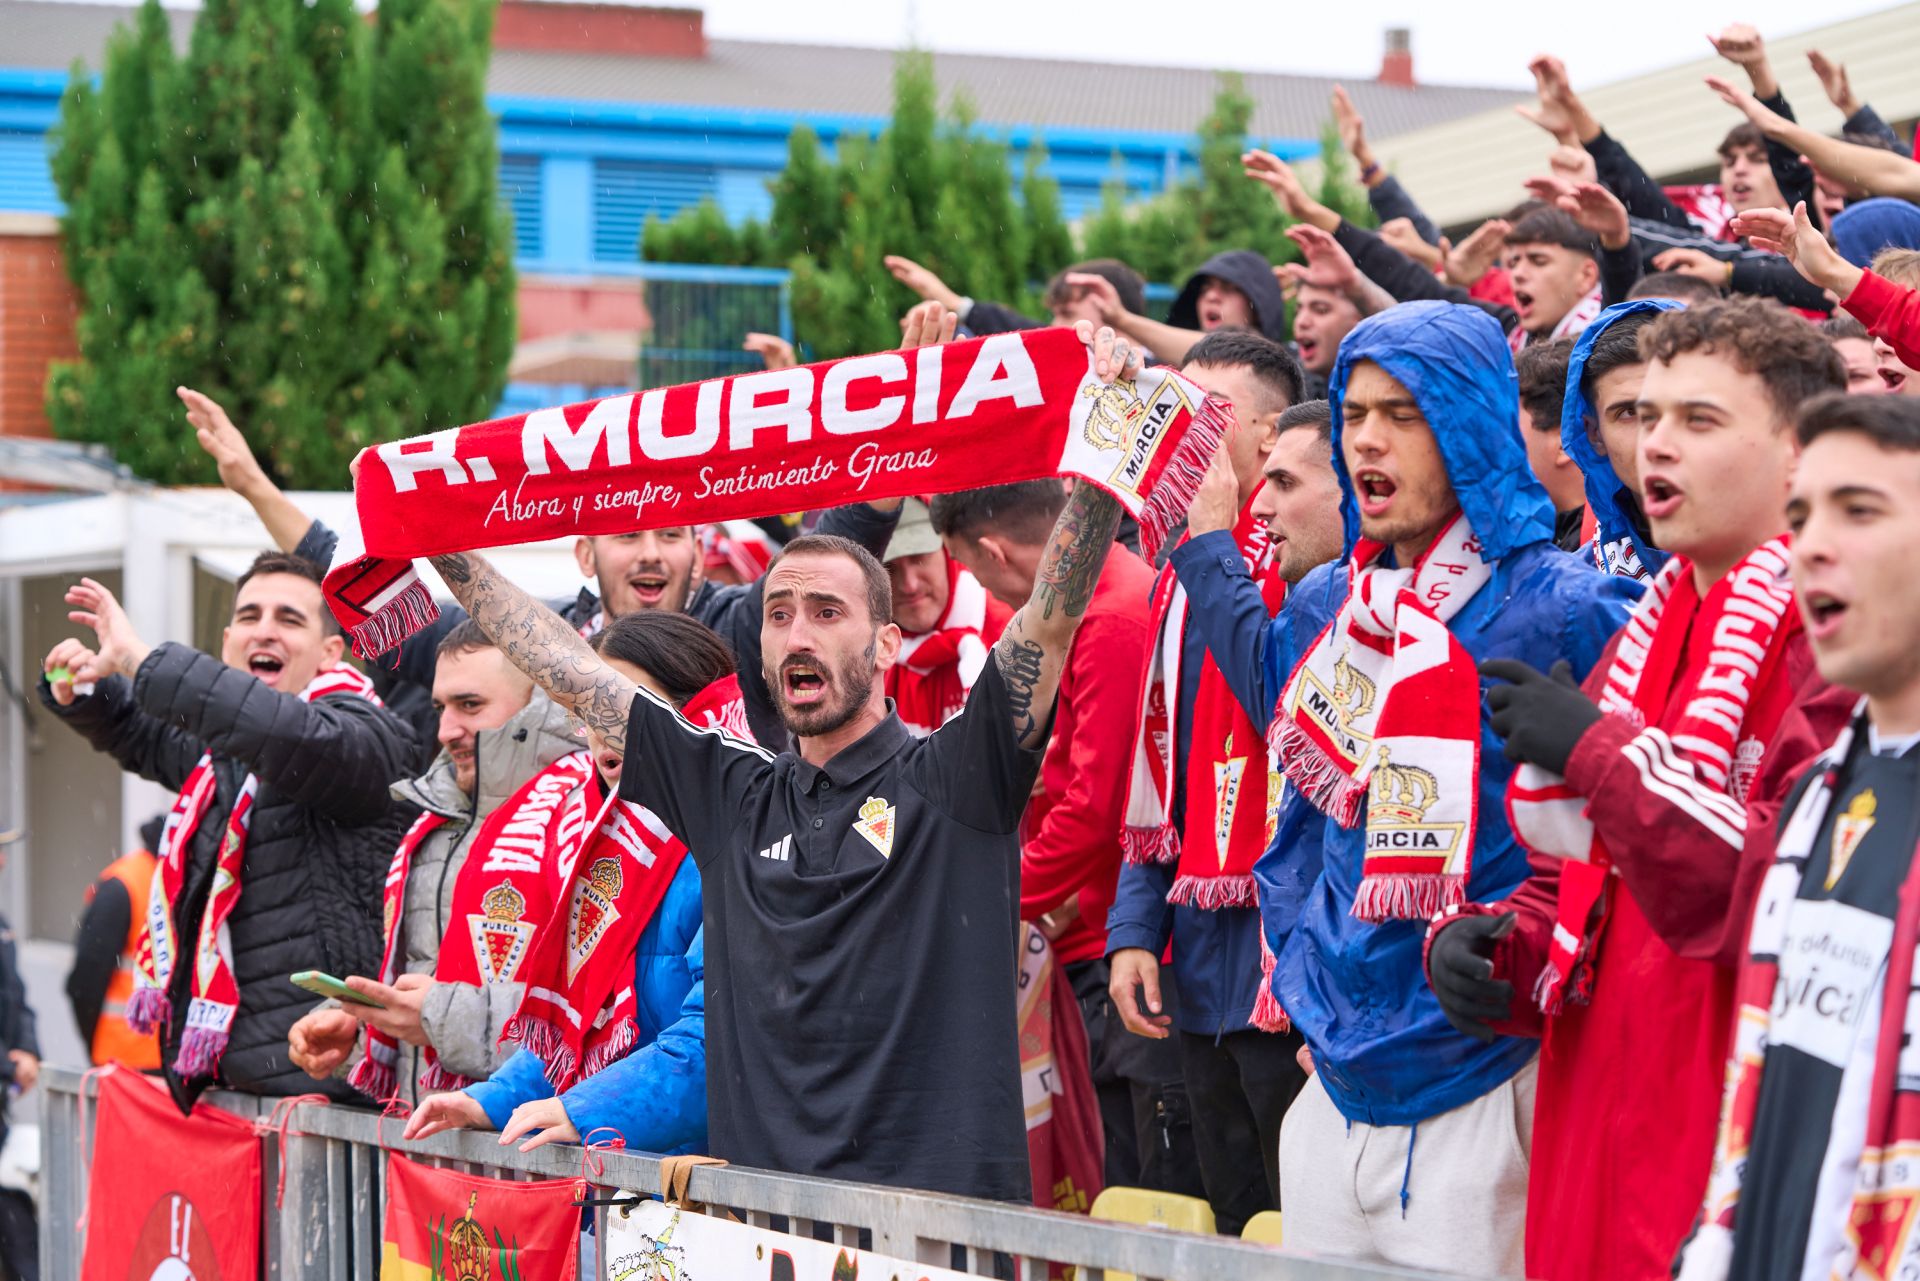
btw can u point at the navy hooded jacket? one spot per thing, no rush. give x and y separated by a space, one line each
1383 1050
1611 521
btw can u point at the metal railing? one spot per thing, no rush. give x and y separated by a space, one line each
327 1225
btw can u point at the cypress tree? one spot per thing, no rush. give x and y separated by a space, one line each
298 216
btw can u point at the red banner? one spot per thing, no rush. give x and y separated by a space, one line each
441 1224
1065 1145
169 1196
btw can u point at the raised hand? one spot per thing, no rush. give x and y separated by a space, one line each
454 1110
1279 178
1793 237
1589 204
1353 132
240 471
1400 233
119 649
1328 264
1216 504
1099 291
1765 119
774 351
1833 78
1475 256
921 281
1575 164
1742 45
1114 356
928 325
1697 263
1555 109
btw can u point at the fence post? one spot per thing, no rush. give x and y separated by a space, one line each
308 1238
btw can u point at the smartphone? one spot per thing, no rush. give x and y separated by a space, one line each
322 984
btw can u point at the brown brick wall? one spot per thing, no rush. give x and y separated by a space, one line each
37 307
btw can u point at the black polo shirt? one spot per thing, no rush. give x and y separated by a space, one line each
860 935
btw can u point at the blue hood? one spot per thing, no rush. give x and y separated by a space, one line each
1454 361
1865 227
1603 483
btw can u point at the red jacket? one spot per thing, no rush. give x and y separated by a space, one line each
1071 832
1630 1082
1890 312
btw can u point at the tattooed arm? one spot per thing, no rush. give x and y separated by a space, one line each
1032 651
543 645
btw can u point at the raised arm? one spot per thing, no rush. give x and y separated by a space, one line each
1032 651
1872 169
241 472
1166 342
543 645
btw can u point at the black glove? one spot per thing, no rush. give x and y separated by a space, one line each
1460 968
1541 717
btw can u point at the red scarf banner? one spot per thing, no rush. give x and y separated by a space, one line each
214 992
990 411
506 886
1065 1144
1224 830
169 1196
441 1223
579 1013
1716 658
1385 708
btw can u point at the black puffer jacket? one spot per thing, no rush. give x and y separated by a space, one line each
324 827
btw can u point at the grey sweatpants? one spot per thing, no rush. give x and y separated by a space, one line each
1465 1207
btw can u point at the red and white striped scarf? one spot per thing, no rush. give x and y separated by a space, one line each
1748 616
1578 317
215 992
937 668
1385 706
505 888
1224 830
1872 1237
580 1011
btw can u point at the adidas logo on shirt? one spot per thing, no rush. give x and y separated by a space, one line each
781 850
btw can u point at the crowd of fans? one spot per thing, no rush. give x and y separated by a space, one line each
1487 837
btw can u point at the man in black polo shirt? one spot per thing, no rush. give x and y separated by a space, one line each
860 895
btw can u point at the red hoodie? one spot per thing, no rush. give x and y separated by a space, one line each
1071 833
1890 312
1630 1082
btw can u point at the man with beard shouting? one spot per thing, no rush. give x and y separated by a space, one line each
859 890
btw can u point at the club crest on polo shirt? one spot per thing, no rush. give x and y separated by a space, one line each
1849 829
500 937
876 823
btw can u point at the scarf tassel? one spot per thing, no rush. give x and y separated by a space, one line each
148 1010
1150 844
1267 1014
541 1038
614 1046
200 1051
1313 774
437 1079
1407 896
1211 893
407 613
373 1078
1166 504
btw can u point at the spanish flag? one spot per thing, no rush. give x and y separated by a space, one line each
460 1227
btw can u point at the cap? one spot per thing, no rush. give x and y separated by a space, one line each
914 535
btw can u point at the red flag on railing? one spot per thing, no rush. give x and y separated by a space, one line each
444 1224
170 1196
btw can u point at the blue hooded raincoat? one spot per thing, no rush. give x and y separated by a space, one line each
1603 483
1384 1051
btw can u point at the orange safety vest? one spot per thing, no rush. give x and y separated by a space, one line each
113 1040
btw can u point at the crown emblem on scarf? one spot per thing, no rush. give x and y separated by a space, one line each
1353 691
1398 794
1116 414
503 903
605 876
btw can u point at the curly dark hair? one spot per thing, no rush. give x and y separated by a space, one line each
1792 358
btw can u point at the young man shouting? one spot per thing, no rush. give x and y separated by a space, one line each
1814 1174
1638 800
503 744
1408 1146
857 892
